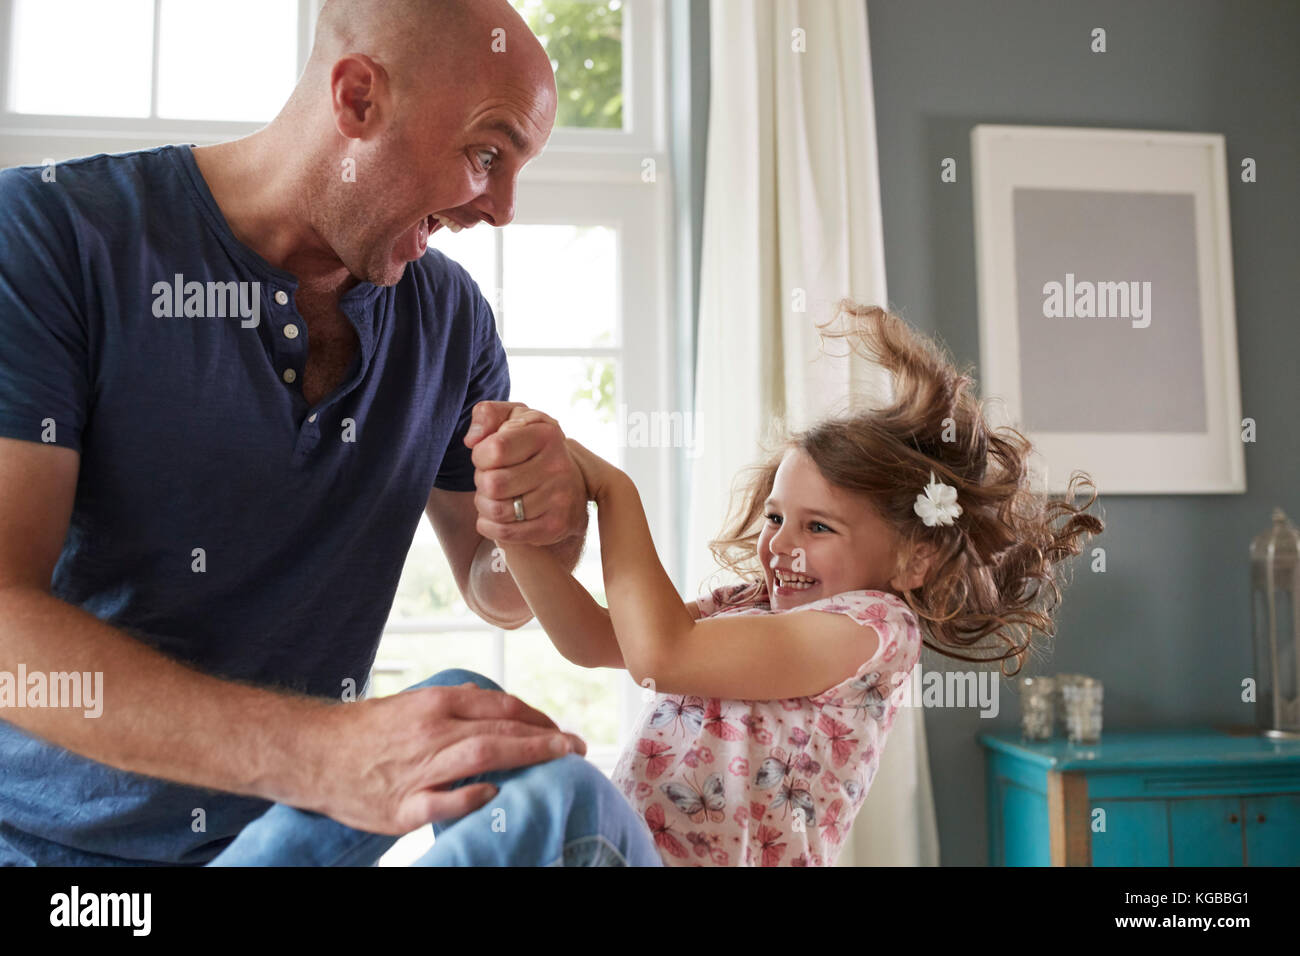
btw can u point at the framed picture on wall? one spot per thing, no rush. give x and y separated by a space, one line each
1107 325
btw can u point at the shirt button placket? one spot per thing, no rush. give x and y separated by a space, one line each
290 330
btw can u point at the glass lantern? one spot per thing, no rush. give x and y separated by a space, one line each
1274 583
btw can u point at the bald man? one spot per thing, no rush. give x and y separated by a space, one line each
231 379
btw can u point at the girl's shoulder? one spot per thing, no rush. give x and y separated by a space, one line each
865 606
893 620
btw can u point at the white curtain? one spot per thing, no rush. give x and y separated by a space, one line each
792 224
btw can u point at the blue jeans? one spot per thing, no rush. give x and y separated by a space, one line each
562 812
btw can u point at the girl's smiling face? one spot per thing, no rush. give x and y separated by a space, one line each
819 533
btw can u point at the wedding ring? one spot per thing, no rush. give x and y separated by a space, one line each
519 509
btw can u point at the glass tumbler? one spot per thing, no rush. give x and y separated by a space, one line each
1082 701
1037 708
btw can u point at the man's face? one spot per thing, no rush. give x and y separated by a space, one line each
450 159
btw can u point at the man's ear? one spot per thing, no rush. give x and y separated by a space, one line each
358 88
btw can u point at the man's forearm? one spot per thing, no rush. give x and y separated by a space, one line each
158 716
495 591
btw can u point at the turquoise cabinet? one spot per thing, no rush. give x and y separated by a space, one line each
1197 797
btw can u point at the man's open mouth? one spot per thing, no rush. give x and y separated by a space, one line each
436 222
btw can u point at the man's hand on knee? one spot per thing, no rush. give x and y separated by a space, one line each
387 765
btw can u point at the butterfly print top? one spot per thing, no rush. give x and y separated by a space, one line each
769 782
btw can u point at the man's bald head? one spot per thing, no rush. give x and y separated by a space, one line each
432 44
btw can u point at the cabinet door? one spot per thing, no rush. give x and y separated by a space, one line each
1136 834
1272 830
1024 828
1207 831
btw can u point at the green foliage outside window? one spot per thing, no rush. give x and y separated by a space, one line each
584 39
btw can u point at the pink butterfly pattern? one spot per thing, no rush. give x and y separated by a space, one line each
715 722
658 756
769 782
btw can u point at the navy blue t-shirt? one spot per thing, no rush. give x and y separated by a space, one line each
218 517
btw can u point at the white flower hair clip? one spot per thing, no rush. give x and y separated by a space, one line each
937 504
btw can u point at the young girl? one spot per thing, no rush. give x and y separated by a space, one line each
773 698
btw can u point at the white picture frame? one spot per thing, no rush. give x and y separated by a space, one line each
1106 307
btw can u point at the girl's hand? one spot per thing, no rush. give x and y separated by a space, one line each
596 471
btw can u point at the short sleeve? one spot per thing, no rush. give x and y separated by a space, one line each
900 634
489 382
45 380
719 599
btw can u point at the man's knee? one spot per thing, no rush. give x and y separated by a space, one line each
455 676
572 775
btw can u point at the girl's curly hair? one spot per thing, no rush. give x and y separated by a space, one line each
993 571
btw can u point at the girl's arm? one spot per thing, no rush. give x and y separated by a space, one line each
761 657
579 627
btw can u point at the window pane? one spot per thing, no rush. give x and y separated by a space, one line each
577 392
82 57
583 700
476 250
584 39
234 60
406 659
561 286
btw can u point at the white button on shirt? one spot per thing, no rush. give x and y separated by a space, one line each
311 417
282 297
291 331
290 375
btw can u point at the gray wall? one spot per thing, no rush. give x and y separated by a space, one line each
1167 627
